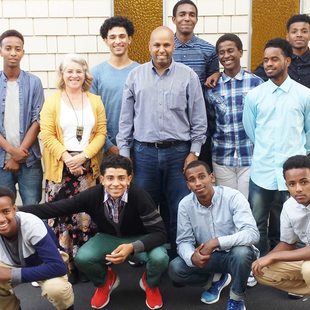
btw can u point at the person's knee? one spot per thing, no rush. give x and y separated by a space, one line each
83 257
305 271
159 259
59 291
175 270
243 254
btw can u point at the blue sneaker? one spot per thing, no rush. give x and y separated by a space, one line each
235 305
212 295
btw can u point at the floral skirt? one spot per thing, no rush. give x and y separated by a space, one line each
74 230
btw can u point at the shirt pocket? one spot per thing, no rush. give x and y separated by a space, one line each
176 101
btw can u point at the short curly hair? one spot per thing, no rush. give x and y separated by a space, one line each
117 21
11 33
79 60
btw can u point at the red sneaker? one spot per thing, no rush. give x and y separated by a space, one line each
102 294
153 296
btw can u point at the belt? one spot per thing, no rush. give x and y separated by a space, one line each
163 144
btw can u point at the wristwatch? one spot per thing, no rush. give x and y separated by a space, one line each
196 154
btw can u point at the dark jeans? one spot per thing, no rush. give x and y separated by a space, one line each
237 262
160 173
266 206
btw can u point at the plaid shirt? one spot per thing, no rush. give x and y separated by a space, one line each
231 145
115 206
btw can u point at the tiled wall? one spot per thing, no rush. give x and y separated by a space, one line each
55 27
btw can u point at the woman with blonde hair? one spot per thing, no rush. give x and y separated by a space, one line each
73 131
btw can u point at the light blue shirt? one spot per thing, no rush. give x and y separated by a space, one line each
277 120
228 218
162 107
31 99
109 84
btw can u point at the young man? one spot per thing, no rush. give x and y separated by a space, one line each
298 35
287 267
196 53
216 231
166 138
28 253
232 149
128 225
276 118
110 76
21 95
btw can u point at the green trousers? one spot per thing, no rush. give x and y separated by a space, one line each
90 258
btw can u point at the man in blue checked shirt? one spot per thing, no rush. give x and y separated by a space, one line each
232 149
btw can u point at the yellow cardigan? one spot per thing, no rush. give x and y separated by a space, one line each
52 138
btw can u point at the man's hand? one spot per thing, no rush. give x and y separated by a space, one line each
190 157
5 274
212 80
209 247
199 259
19 154
260 263
113 150
11 165
120 254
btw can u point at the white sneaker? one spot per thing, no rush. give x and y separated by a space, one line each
35 284
251 280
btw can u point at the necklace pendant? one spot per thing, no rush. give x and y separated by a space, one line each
79 132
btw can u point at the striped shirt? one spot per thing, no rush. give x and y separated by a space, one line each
199 55
115 206
231 146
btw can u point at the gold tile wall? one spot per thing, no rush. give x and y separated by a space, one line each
269 19
146 16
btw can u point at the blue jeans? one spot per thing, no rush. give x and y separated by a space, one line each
237 262
266 207
90 258
29 180
160 173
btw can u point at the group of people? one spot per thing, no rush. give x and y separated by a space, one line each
169 163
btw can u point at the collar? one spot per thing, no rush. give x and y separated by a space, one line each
189 43
124 197
238 76
285 86
304 57
5 79
167 70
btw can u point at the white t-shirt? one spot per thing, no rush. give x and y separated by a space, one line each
11 115
70 120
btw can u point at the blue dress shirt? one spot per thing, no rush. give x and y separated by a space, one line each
277 120
162 107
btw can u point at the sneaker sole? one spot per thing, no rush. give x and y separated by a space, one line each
114 286
219 294
142 286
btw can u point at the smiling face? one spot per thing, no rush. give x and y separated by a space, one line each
12 51
276 64
185 19
199 181
161 47
73 76
118 41
298 36
115 181
229 56
298 184
8 224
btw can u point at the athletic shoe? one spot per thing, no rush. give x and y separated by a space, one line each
251 280
102 294
153 296
212 295
35 284
235 305
294 296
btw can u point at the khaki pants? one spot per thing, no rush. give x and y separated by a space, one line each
58 291
293 277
